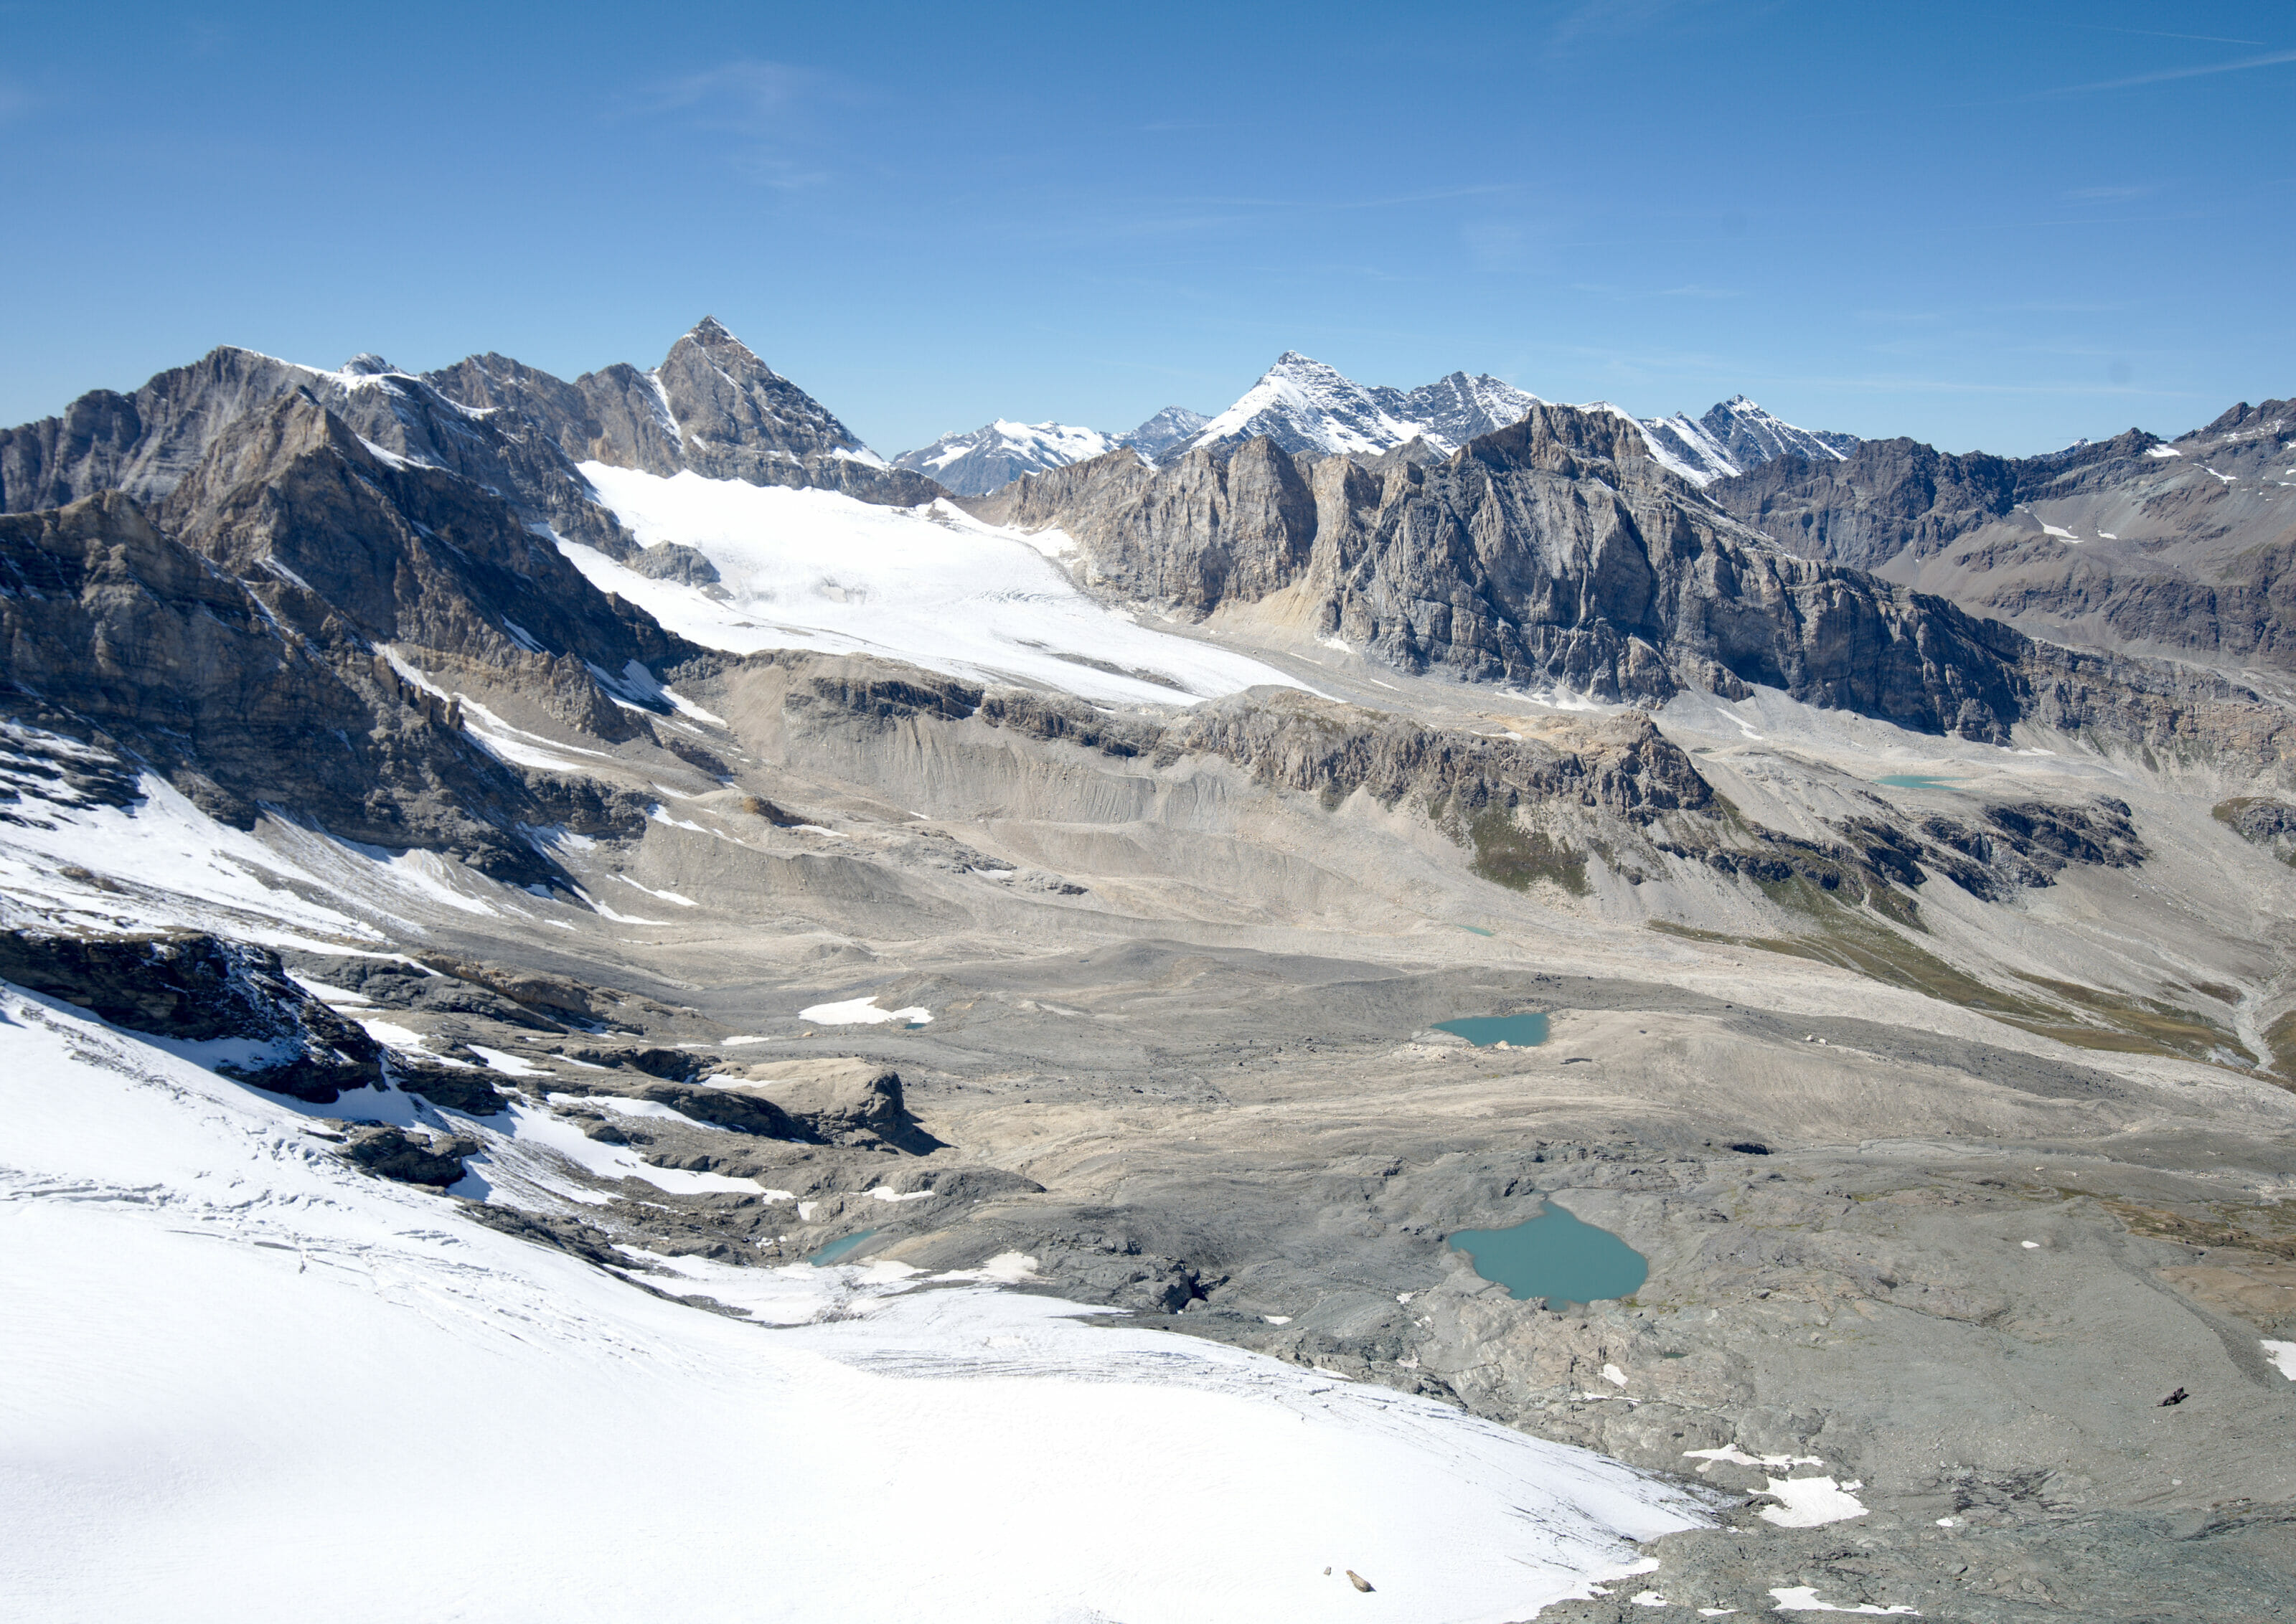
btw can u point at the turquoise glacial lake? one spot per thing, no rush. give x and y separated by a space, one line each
1555 1256
1482 1031
838 1248
1917 781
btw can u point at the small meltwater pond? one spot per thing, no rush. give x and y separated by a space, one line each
839 1248
1483 1030
1918 781
1555 1256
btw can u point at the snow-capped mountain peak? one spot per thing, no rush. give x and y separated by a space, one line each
1732 436
975 463
1305 405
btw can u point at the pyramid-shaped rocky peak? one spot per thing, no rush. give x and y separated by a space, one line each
711 339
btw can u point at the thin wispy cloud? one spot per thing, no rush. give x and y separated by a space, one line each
774 112
1595 20
748 94
2273 59
2206 39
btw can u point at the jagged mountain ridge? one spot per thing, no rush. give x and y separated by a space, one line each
1304 406
711 406
2181 547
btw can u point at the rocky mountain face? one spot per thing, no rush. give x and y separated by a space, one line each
257 634
1305 406
2180 547
1558 553
1735 435
998 453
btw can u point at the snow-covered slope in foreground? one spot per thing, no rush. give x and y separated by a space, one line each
814 569
246 1383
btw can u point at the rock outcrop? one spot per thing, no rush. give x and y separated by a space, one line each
394 1154
837 1101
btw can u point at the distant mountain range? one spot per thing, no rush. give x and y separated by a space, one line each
2184 547
999 452
1310 409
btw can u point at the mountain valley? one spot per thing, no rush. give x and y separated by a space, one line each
625 849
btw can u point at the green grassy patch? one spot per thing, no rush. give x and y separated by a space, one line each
1517 858
2109 1022
2145 1021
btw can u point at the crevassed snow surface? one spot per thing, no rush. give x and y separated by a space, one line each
249 1383
814 569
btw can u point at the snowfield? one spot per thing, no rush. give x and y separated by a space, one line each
931 585
248 1383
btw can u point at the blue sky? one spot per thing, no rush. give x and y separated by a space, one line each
1999 225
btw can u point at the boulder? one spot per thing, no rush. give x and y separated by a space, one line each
391 1153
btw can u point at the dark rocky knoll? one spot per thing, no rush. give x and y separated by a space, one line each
193 986
2183 553
1557 551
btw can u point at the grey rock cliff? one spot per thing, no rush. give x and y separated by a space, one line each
240 661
